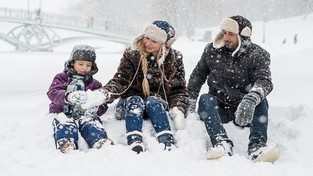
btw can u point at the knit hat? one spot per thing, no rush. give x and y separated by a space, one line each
235 24
160 31
84 53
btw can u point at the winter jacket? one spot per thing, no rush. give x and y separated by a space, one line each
171 89
230 78
58 88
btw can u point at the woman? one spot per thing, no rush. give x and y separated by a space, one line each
149 80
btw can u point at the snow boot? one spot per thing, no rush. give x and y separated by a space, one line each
166 137
102 142
222 148
262 153
134 140
65 145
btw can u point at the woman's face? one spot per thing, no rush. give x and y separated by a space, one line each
82 67
151 46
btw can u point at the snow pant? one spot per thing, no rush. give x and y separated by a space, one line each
134 110
215 115
90 128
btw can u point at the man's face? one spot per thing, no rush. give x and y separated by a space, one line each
230 39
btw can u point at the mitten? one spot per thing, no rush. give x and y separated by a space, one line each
178 118
91 112
245 110
76 98
191 106
95 98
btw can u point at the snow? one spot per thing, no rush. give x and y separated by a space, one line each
27 146
56 6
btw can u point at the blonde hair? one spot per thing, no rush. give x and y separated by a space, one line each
144 66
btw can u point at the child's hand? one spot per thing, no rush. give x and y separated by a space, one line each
95 98
77 97
91 112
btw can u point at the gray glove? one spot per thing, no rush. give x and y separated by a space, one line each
191 106
76 98
245 110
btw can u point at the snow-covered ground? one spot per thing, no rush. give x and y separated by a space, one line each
27 146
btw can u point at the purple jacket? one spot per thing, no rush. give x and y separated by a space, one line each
58 88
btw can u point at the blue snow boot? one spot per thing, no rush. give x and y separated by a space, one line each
134 140
166 138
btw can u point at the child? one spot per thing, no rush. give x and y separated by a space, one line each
67 93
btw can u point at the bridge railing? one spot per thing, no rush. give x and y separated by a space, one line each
37 16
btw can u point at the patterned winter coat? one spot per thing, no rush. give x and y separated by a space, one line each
230 78
129 73
58 88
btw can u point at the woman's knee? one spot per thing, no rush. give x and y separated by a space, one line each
134 100
134 105
153 101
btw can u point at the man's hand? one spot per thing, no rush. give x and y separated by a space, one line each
245 110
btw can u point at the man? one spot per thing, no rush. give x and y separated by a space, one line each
239 79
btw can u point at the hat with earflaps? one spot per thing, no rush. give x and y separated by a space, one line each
237 25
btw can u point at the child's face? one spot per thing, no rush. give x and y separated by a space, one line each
82 67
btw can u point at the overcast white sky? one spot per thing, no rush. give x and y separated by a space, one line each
46 5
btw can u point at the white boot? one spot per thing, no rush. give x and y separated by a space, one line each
221 149
266 154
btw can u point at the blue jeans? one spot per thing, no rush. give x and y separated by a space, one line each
91 129
134 109
215 115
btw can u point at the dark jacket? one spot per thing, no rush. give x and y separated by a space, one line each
230 78
129 73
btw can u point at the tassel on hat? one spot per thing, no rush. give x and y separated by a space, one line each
235 24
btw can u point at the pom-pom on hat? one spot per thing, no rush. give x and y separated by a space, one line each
160 31
235 24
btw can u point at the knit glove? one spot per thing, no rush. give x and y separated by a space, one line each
191 106
245 110
76 98
96 98
91 112
178 118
